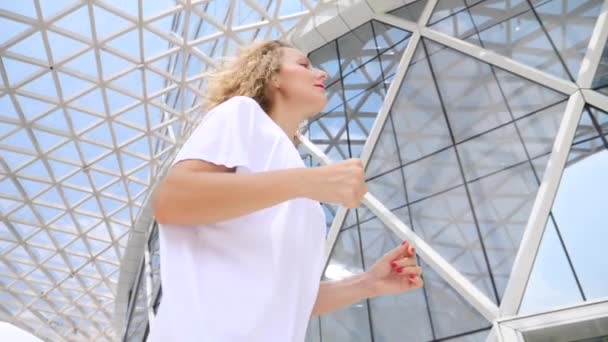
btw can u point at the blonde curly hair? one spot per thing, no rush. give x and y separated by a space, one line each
249 73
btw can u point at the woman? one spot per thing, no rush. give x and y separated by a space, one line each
241 228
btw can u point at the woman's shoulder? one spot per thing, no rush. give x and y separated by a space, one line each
237 104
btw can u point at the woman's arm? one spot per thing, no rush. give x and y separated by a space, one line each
198 192
393 273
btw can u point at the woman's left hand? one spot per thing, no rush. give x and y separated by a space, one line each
395 272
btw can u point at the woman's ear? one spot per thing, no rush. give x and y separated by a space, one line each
275 82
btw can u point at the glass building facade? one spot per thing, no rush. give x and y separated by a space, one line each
483 126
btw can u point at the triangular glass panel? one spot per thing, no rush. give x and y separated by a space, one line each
6 206
61 170
101 179
86 63
24 230
26 214
67 151
113 64
131 162
33 108
388 36
119 230
92 101
73 22
243 14
117 190
77 247
109 255
76 260
6 129
16 72
109 204
135 116
55 120
51 8
26 8
143 175
62 46
100 232
35 170
8 110
41 254
82 121
63 238
33 188
108 163
50 196
199 26
31 46
18 254
93 152
42 86
446 8
96 247
551 281
127 43
73 196
117 100
411 11
8 188
135 188
155 83
154 44
86 221
107 23
48 214
89 206
65 223
48 141
131 81
100 133
71 86
79 180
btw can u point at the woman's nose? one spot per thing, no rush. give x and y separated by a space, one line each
323 74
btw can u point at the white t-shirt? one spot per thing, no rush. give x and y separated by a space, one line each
251 278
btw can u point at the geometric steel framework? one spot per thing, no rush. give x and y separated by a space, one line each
94 99
489 107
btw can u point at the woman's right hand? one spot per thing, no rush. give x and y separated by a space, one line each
338 183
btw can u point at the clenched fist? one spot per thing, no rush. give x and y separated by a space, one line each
339 183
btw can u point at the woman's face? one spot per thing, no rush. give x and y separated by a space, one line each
300 84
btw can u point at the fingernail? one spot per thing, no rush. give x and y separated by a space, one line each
400 269
404 243
412 250
393 264
412 276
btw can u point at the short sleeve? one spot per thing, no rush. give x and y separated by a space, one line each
225 135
